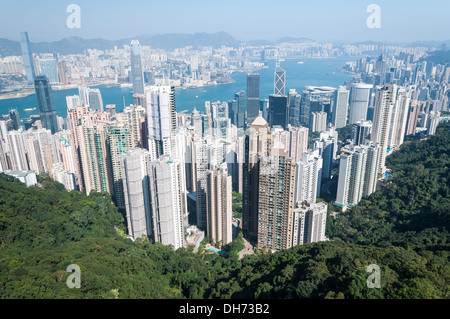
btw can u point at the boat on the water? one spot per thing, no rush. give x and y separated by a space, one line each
30 109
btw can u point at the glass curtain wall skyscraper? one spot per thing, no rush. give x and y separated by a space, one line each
49 68
280 80
252 97
359 102
340 108
46 105
137 75
27 58
278 110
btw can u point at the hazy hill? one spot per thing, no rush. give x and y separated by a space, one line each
9 47
77 45
439 57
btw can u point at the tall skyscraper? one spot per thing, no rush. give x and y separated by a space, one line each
280 80
27 57
358 169
95 160
433 122
17 155
46 105
256 144
154 198
200 123
305 108
219 204
221 123
201 164
83 93
308 177
62 72
264 108
137 75
136 193
49 68
294 139
309 223
327 146
167 201
15 117
359 102
276 201
412 119
361 132
318 121
340 109
161 119
119 142
294 109
398 121
134 118
240 116
384 103
74 114
208 152
95 100
232 111
252 97
278 110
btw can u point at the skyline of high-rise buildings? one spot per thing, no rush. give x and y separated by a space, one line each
168 170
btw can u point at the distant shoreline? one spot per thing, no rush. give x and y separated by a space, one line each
15 95
25 93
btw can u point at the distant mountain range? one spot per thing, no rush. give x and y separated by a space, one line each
77 45
169 41
438 57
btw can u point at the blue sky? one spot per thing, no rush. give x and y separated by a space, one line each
321 20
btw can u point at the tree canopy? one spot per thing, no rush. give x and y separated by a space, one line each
402 228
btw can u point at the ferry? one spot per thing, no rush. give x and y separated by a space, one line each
30 109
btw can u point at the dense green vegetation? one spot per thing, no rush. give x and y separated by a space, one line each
403 228
345 133
237 205
413 210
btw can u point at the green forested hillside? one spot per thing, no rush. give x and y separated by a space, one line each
402 228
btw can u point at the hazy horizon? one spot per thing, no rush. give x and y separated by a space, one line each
344 41
325 21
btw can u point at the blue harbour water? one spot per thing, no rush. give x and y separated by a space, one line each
313 72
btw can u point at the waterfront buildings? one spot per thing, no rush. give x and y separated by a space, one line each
46 105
